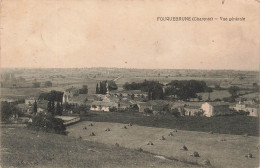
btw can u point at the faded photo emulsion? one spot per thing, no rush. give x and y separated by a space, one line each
129 83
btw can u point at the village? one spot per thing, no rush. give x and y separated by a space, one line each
147 116
109 99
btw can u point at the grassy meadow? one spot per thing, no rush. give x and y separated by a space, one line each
21 147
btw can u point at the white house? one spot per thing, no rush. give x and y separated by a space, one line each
102 105
251 108
215 108
30 100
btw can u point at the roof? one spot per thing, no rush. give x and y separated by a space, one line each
178 104
79 98
23 106
42 104
155 103
252 106
192 107
125 103
128 92
103 103
218 103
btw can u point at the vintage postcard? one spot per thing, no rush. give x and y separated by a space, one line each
129 83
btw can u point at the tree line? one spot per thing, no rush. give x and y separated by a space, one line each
101 88
184 90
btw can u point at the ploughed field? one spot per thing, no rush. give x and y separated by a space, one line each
222 150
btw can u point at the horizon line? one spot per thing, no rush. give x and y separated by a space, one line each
129 68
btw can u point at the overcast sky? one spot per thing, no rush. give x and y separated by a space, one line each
126 33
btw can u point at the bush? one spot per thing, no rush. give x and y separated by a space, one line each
47 123
36 84
8 110
48 84
148 111
112 109
175 112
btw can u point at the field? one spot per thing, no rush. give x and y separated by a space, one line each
21 147
220 94
236 125
64 78
227 153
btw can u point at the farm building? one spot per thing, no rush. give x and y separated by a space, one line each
154 105
215 108
128 93
30 100
192 110
102 105
77 100
251 108
124 104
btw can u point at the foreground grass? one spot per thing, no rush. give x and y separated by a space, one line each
237 125
21 147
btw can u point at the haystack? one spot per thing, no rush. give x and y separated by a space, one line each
140 150
223 139
92 134
130 124
249 155
150 143
162 138
206 162
195 154
170 134
124 127
184 148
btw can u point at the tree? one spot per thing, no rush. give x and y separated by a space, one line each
132 96
7 111
59 109
175 112
36 84
35 107
233 91
255 87
47 123
148 111
48 84
83 90
199 97
209 90
97 89
82 109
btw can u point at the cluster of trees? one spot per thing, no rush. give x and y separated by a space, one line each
36 84
186 89
48 84
154 88
8 110
47 123
55 101
83 90
102 87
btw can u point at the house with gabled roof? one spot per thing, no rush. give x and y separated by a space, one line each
215 108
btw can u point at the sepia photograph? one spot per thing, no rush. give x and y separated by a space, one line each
129 83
